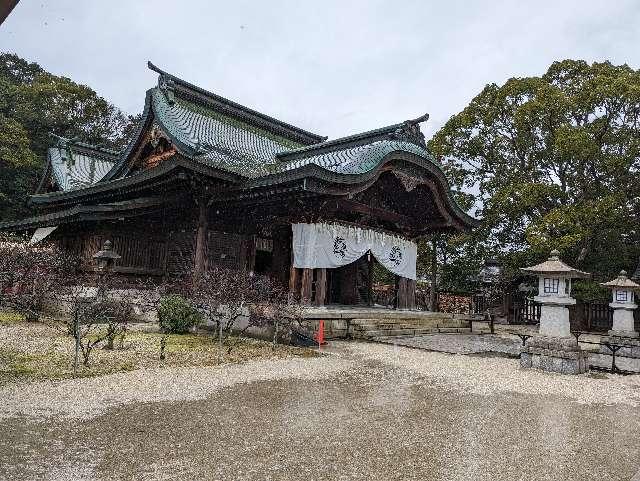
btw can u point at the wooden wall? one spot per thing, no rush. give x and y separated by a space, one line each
227 250
140 255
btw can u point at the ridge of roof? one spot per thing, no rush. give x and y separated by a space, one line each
120 165
169 81
65 141
407 130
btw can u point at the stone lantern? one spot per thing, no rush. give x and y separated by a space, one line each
554 349
106 257
623 303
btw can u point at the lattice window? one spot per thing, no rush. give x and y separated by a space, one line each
622 296
551 286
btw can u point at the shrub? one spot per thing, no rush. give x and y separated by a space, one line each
176 315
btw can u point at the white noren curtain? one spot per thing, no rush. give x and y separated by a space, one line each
333 245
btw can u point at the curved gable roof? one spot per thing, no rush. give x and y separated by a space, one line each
75 165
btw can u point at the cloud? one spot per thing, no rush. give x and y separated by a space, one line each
331 67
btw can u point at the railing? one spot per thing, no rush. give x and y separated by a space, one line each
586 316
613 348
525 311
597 316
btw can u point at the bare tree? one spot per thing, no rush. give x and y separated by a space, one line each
31 275
234 301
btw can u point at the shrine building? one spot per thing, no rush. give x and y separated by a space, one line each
208 182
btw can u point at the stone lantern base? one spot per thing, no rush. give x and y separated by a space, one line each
553 354
622 331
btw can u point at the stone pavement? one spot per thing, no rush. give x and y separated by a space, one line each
460 343
504 343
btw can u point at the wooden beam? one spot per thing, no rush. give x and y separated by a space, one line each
5 9
382 214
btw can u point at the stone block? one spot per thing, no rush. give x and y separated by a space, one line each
560 355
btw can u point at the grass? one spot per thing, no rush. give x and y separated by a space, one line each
8 318
31 351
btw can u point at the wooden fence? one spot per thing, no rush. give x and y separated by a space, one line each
583 316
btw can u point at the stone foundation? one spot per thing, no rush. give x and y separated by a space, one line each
553 354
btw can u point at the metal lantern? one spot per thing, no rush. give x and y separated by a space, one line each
106 257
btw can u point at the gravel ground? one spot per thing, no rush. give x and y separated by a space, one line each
362 412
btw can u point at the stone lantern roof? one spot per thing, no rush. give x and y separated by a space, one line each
555 266
622 281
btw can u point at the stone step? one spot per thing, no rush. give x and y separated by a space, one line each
411 325
376 323
408 332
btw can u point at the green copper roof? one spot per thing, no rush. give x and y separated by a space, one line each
74 165
228 143
202 129
359 159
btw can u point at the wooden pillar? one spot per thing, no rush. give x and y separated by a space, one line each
433 293
280 266
349 284
294 281
406 293
411 294
201 239
370 279
401 303
321 287
306 285
249 261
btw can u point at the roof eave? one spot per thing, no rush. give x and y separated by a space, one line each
573 273
139 179
313 171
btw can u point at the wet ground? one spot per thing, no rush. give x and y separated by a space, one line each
381 413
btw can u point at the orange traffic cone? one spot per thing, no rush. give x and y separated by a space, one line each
319 337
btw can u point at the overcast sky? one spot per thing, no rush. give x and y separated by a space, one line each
332 67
